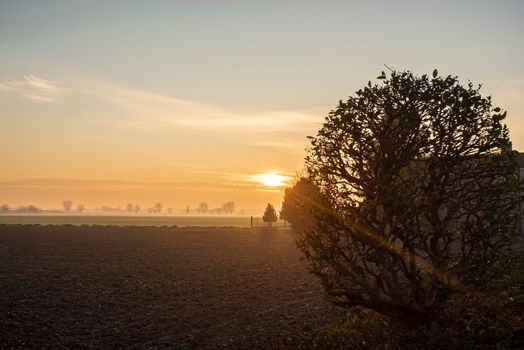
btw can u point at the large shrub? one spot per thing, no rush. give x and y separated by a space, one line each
412 194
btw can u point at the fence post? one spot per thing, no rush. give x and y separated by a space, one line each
251 221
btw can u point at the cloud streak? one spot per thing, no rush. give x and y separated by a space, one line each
149 110
32 87
140 109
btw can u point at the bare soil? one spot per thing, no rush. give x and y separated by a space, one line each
106 287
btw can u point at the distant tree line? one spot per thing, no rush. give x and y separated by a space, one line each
157 208
20 209
203 208
130 208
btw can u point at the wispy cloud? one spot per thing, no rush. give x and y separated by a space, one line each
32 87
286 144
150 110
105 102
136 108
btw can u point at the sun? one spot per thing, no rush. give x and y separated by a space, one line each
272 179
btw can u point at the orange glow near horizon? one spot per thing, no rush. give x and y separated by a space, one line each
221 111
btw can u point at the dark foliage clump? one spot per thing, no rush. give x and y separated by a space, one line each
270 215
470 320
411 198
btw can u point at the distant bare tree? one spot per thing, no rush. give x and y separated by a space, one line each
187 209
228 207
32 209
67 205
202 208
80 208
158 207
129 207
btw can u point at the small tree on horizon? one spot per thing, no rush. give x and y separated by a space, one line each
80 208
202 208
67 204
270 215
228 207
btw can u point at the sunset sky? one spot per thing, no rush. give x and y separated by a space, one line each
110 102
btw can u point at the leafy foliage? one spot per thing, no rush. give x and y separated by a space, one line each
412 193
300 202
270 215
470 320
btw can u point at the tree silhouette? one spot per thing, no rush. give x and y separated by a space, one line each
67 204
158 207
270 215
32 208
202 208
228 207
80 208
130 208
299 202
413 191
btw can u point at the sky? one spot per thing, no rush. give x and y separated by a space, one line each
110 102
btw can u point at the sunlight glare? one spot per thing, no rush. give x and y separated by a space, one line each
271 179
